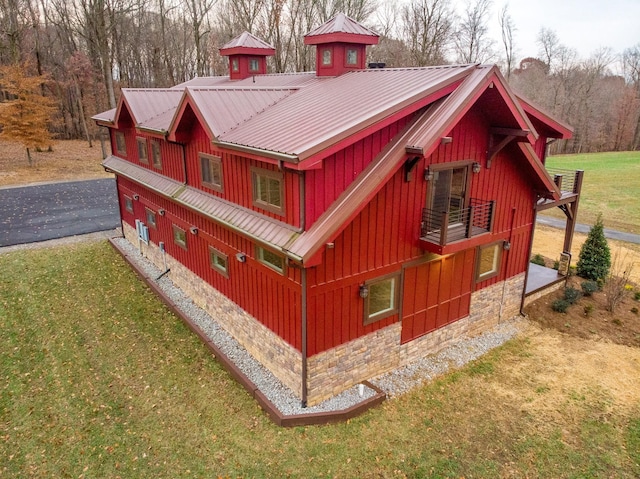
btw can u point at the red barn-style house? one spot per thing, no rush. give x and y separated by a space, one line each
338 223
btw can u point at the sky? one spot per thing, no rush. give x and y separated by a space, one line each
584 25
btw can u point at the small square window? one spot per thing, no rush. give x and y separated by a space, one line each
235 66
267 190
326 57
211 171
121 144
151 218
143 153
156 155
382 299
272 260
179 236
128 203
488 263
254 65
219 261
352 56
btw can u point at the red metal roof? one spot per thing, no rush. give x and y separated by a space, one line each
341 28
151 108
560 129
106 116
247 44
326 112
248 223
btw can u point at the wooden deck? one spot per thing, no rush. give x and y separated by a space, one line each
540 278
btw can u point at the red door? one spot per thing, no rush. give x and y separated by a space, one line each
436 293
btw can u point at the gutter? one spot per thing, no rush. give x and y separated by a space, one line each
259 151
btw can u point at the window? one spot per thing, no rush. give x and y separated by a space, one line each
128 203
156 156
254 65
235 65
382 298
272 260
219 261
488 263
151 217
211 171
121 144
352 56
179 236
267 190
326 57
143 154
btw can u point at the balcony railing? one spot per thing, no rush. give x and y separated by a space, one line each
447 227
568 181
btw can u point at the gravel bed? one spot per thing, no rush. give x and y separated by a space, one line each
393 383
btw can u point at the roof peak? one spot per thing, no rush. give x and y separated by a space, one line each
344 27
247 40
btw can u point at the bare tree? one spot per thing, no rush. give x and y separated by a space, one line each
426 29
472 41
631 64
507 28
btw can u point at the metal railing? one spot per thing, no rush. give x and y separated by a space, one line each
447 227
566 180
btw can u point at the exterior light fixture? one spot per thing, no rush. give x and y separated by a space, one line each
136 197
194 230
161 212
241 257
364 291
428 174
475 167
506 245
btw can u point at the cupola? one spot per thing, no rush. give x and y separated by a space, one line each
341 45
247 56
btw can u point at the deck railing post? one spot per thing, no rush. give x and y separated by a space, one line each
444 228
469 226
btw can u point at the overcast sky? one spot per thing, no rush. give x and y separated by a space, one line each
584 25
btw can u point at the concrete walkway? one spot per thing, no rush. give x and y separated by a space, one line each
580 228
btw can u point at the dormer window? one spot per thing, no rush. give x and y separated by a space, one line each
326 57
254 65
352 56
235 66
143 152
121 144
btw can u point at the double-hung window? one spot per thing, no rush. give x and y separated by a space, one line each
211 171
268 191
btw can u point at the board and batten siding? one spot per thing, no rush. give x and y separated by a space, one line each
384 236
274 299
237 177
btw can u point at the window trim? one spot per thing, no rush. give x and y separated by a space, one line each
257 64
128 200
235 65
156 164
148 212
211 159
346 57
257 202
142 141
214 252
497 261
395 309
176 230
260 257
323 63
117 135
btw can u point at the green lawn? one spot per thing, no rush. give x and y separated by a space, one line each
98 379
611 187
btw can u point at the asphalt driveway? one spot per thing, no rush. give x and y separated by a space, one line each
56 210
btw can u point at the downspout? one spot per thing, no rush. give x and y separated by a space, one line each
302 201
526 274
304 336
184 162
506 263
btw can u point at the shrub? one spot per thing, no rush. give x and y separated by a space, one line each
588 309
634 310
538 259
615 285
595 257
589 287
560 305
556 265
571 295
637 296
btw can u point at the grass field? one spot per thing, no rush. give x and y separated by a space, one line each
99 379
611 187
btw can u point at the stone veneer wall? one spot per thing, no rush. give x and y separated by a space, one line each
543 292
333 371
282 359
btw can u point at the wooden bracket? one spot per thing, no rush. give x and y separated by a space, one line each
409 165
509 135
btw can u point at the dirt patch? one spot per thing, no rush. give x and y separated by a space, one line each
588 317
68 160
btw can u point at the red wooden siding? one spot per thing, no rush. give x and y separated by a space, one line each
384 237
272 298
323 186
436 293
236 173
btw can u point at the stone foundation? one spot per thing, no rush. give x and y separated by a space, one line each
284 361
344 366
337 369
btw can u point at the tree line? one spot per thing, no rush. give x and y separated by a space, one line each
84 51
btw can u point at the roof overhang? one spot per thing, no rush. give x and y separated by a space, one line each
561 130
341 37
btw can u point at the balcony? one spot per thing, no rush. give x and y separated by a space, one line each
569 182
443 228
